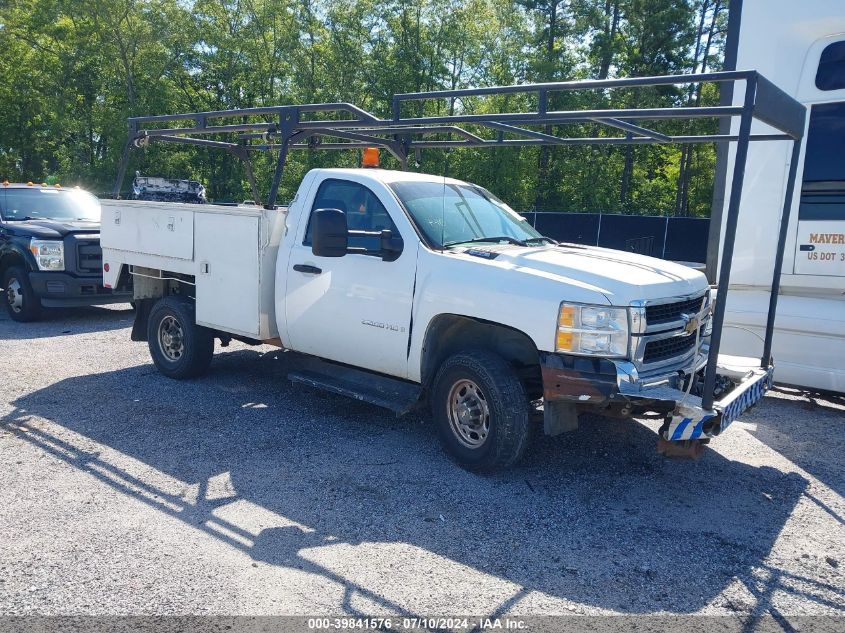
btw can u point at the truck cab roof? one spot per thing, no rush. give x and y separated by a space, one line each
385 176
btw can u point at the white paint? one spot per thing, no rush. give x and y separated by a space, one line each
375 314
826 238
784 40
227 288
230 251
358 310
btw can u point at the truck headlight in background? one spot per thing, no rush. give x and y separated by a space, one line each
49 254
711 308
592 330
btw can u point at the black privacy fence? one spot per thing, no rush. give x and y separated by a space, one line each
679 239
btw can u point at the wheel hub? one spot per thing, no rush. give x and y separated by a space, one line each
469 414
14 295
171 338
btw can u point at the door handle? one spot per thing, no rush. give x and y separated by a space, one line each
306 268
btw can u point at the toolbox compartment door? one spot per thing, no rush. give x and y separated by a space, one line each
152 229
228 279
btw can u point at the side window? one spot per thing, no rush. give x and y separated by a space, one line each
823 188
831 72
364 211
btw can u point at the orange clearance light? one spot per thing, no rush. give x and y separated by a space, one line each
5 183
43 184
57 186
369 157
29 184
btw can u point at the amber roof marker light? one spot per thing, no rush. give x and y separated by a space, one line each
369 157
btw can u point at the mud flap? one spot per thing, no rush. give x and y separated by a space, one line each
142 318
559 417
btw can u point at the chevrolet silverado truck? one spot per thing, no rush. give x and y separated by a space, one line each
50 251
397 288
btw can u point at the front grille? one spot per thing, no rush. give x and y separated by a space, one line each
666 348
89 256
670 312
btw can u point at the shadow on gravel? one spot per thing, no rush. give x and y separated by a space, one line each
793 428
65 321
596 516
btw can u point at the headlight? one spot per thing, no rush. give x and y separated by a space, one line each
49 254
592 330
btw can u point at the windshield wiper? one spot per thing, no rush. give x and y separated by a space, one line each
542 238
19 219
501 238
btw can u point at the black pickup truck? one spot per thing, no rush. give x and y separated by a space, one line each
50 250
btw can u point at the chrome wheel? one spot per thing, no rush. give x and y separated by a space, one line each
469 415
14 295
171 338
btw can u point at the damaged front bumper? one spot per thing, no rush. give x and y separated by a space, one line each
617 386
743 384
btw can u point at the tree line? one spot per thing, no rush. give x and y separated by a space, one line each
74 70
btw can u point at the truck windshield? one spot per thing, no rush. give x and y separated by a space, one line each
450 214
48 204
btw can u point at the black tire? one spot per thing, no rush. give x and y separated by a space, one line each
503 395
179 347
22 303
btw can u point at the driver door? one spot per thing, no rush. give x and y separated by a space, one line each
354 309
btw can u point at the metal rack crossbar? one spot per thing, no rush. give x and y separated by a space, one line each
293 127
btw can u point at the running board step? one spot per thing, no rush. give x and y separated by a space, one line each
391 393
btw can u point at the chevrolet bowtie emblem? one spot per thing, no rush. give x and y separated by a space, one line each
691 323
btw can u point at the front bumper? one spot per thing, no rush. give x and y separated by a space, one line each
58 289
602 382
743 384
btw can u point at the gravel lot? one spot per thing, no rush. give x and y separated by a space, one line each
128 493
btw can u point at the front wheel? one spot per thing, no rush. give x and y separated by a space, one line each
179 347
481 410
22 303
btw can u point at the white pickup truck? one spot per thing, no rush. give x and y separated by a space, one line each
401 287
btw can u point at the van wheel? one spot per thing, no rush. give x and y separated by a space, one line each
481 411
21 301
180 348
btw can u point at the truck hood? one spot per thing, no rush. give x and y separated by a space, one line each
52 229
620 276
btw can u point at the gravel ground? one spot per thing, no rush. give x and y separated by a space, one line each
238 493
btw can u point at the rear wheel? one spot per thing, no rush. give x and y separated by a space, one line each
179 347
21 301
481 411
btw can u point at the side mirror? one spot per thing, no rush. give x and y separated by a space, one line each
391 247
329 234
